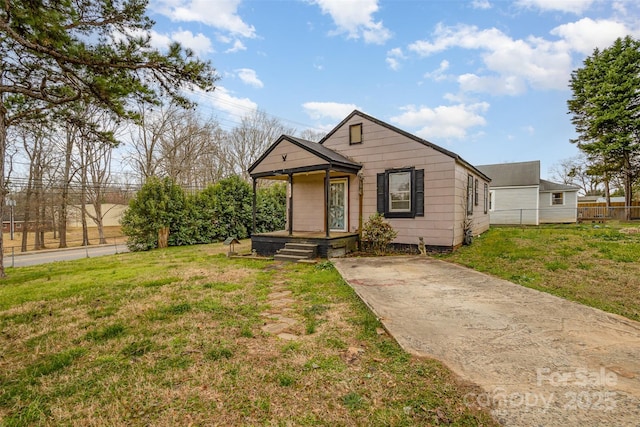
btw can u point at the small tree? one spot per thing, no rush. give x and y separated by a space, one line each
378 233
160 204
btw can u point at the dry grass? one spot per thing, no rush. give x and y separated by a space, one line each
174 337
74 238
597 265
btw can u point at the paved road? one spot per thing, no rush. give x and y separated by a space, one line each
43 257
540 360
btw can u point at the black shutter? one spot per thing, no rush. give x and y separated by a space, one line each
380 193
419 186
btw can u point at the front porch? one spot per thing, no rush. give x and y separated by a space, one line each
334 245
324 198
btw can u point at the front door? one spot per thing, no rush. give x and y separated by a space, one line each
338 206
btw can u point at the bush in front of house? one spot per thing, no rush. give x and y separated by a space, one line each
221 210
377 234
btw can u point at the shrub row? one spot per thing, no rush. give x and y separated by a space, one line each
221 210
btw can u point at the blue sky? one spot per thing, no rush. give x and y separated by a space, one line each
486 79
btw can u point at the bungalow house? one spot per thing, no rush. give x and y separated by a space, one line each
517 195
364 166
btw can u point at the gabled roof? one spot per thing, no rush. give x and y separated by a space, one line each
554 186
324 153
513 174
406 134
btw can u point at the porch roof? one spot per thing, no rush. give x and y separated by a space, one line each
289 155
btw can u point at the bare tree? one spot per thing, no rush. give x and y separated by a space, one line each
186 141
39 153
579 171
312 135
144 157
249 140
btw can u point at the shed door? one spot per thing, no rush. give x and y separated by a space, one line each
338 206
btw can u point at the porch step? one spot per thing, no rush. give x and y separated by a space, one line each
294 252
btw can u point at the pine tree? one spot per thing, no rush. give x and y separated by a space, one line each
59 55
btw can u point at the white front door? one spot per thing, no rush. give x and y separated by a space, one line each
338 206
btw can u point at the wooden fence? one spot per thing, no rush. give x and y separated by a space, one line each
600 211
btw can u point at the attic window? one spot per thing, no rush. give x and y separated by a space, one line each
355 134
557 198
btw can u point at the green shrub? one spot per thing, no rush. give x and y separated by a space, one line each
159 203
377 234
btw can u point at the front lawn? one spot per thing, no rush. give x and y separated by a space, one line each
177 337
594 264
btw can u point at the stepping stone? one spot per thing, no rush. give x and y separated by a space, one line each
288 337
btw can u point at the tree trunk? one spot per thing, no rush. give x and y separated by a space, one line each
3 193
65 190
163 237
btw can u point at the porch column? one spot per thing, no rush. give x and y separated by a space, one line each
291 204
254 207
326 202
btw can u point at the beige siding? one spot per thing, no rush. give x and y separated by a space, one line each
296 157
308 202
565 213
383 149
479 219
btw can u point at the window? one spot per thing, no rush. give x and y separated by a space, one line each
476 197
470 195
400 193
486 198
355 134
557 198
492 200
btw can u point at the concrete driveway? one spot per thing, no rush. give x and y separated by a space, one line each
541 360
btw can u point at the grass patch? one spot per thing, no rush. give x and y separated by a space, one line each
595 265
173 336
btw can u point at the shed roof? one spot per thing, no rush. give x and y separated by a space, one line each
518 174
554 186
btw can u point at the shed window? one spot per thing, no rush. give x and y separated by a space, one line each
476 195
355 134
557 198
486 197
401 193
470 195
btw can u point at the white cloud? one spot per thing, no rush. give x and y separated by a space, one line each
223 100
511 65
249 77
356 19
509 85
438 74
443 122
221 14
331 110
237 47
586 34
393 58
571 6
199 43
481 4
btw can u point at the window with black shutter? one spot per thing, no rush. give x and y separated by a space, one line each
400 193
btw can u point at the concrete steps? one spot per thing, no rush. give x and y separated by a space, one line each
295 252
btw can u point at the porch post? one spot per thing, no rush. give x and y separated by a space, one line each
254 207
326 202
291 204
